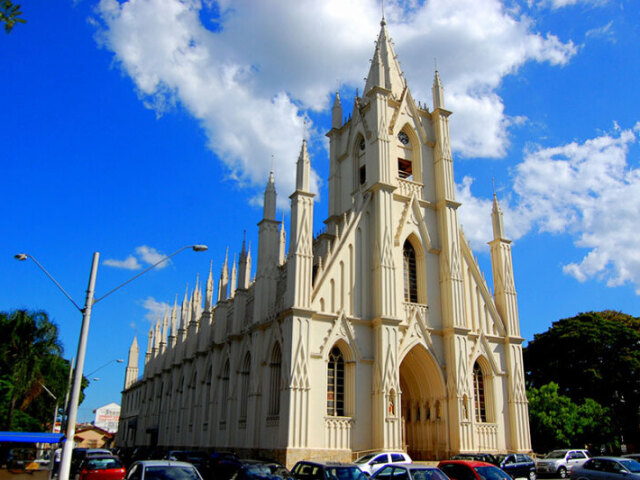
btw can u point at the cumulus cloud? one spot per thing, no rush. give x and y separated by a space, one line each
251 82
150 255
143 253
587 190
155 309
129 263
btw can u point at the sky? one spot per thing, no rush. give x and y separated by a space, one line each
134 128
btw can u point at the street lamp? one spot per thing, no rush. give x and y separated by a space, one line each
65 463
117 360
55 411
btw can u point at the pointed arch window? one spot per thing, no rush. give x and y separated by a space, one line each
274 380
244 386
410 273
224 392
335 383
206 408
479 394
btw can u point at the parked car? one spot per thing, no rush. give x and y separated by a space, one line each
162 470
632 456
517 465
79 454
106 467
251 470
560 462
607 468
372 462
198 459
479 457
408 471
308 470
472 470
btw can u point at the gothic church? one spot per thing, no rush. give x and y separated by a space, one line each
378 334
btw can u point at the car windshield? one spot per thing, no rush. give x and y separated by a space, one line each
257 471
491 473
165 472
500 457
102 463
427 474
631 465
366 458
346 473
556 454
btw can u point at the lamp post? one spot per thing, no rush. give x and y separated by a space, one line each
117 360
55 412
65 463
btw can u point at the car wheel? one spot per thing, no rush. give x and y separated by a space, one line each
562 472
532 475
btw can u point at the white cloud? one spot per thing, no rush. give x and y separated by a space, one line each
156 310
587 190
129 263
555 4
144 254
251 80
150 255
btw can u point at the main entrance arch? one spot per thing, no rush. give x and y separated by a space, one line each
423 405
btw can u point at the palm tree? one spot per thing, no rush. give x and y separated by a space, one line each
28 342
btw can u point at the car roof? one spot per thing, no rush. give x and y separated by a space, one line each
328 463
469 463
608 457
163 463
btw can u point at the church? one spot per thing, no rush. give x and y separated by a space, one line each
379 333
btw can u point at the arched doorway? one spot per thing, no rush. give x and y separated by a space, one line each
423 405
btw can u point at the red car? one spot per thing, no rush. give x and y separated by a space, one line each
101 468
471 470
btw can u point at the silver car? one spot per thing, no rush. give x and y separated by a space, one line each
560 462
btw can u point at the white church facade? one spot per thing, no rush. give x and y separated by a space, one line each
378 334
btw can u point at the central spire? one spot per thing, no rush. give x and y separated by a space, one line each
385 70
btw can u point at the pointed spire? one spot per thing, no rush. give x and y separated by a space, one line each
174 322
133 354
234 276
385 70
270 199
303 169
496 219
438 92
244 265
184 312
156 339
336 112
282 254
224 278
208 301
165 330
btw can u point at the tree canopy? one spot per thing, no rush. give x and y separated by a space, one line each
592 357
30 359
10 14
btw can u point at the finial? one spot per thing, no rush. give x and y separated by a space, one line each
272 162
435 63
382 22
493 185
305 131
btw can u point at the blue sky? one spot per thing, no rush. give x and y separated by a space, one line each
135 128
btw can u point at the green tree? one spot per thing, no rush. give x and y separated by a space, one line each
594 355
30 357
558 422
10 14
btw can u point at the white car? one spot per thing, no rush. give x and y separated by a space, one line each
372 462
162 470
560 462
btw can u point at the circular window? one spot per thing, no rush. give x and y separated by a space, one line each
362 145
403 137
